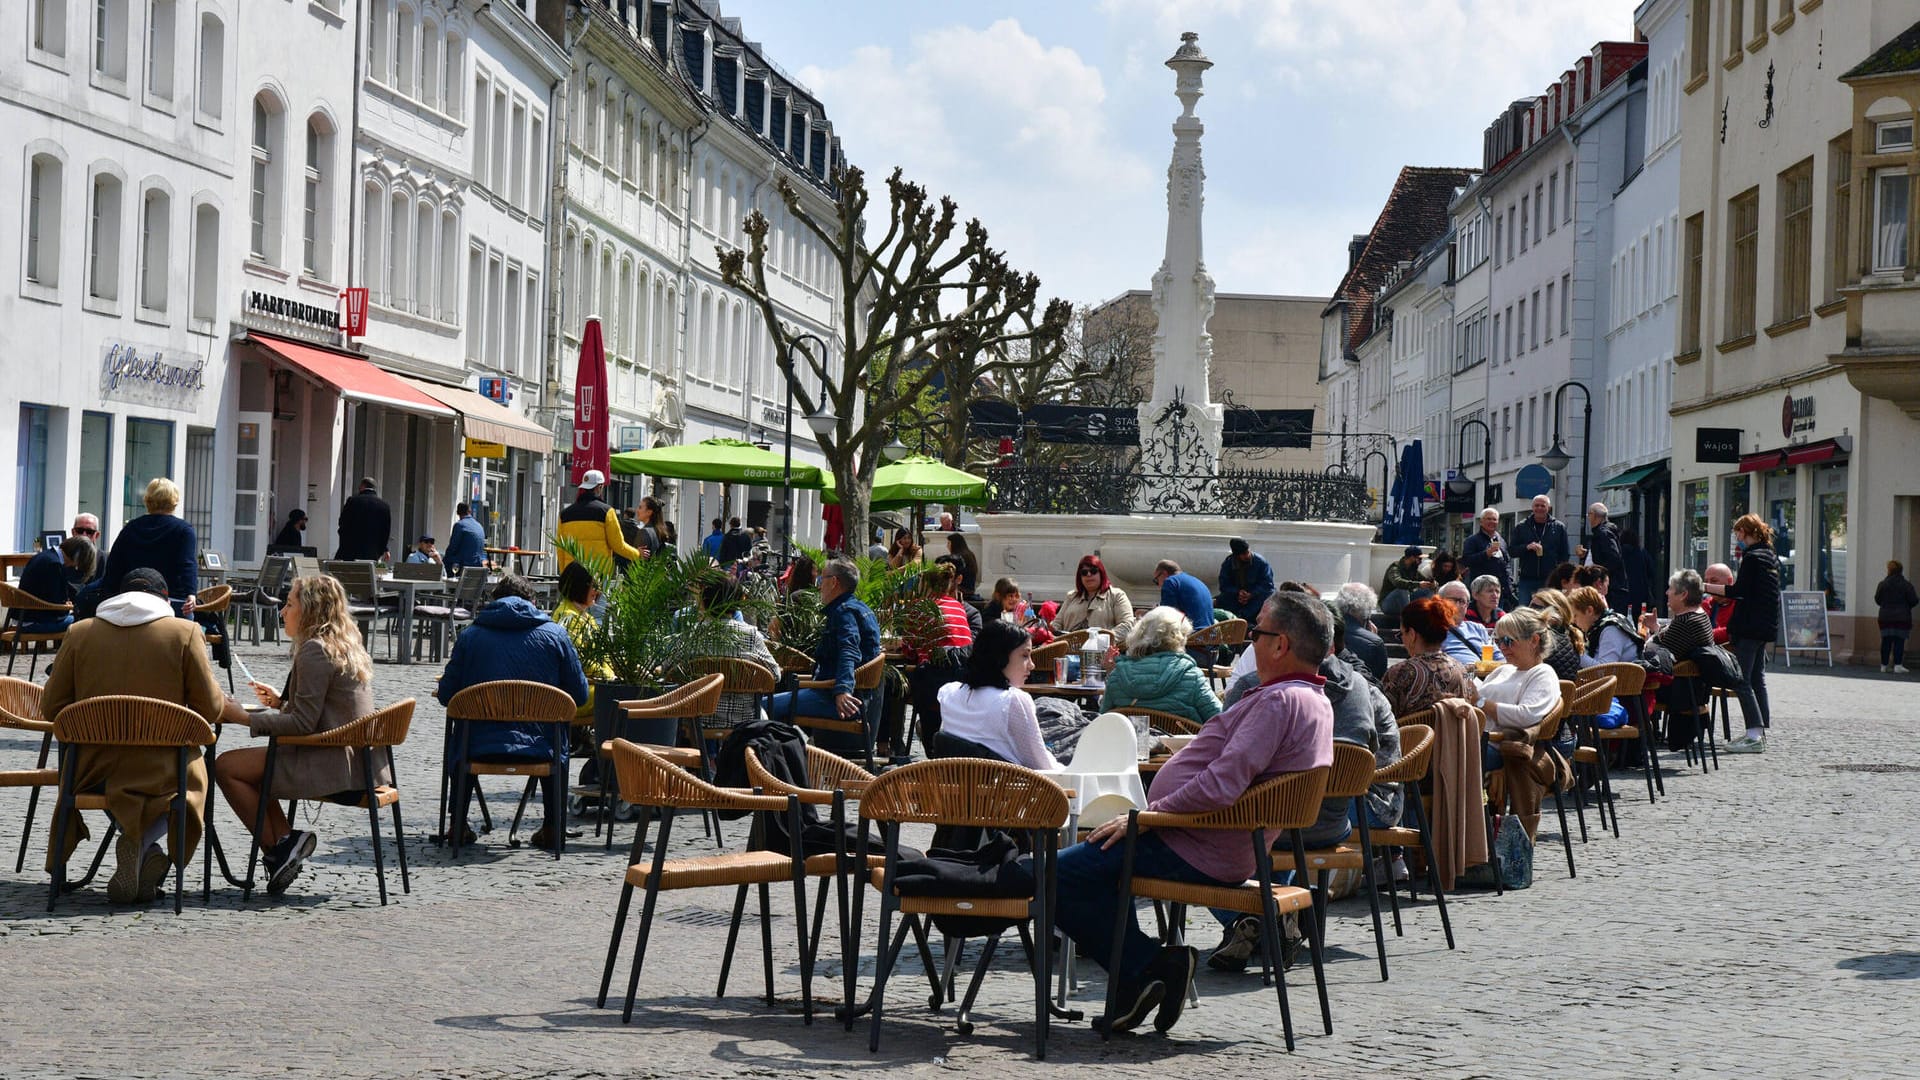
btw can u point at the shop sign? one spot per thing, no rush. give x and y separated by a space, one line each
284 315
1803 625
477 448
632 437
496 389
152 377
1717 445
1796 416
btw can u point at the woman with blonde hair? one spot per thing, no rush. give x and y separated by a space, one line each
1569 641
328 687
158 540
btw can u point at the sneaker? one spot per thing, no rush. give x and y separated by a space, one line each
153 874
1883 669
124 885
1175 966
1745 745
1900 669
292 851
1236 945
1134 1005
1290 940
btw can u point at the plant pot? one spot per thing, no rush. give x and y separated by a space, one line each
609 722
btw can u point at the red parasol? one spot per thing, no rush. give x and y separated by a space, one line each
590 449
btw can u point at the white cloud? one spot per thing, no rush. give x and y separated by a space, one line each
1017 131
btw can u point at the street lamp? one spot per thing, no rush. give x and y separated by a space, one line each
786 479
1557 459
895 451
1460 485
1385 479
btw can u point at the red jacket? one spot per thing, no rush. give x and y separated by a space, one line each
1720 610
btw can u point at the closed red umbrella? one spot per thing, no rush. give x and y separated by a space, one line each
590 442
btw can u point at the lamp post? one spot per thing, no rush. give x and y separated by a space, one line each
1385 466
786 478
1557 459
1486 461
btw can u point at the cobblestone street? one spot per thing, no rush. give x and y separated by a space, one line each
1754 921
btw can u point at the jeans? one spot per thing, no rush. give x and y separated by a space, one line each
1281 842
1087 884
1753 662
802 703
47 626
1893 649
1524 590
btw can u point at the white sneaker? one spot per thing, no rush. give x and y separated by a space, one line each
1900 669
1883 669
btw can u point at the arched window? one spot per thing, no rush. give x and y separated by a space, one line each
669 345
317 200
45 174
373 260
380 41
453 60
642 322
103 238
569 304
583 286
265 198
658 357
160 49
430 76
206 262
156 244
625 321
605 309
211 86
406 50
590 112
610 153
629 161
110 39
449 266
399 277
425 247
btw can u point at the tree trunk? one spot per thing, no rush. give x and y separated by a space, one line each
854 485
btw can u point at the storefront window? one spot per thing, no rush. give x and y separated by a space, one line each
1830 495
1696 525
196 487
96 447
1782 512
149 454
30 478
1739 492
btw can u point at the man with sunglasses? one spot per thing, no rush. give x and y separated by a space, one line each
1284 726
1468 640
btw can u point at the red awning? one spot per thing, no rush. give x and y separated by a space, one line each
1788 456
353 376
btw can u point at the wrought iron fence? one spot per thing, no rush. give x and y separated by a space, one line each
1265 494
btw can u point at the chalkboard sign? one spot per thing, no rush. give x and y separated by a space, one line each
1803 625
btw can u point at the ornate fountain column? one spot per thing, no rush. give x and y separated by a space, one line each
1180 425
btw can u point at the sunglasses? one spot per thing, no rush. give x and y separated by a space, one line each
1506 642
1089 572
1257 633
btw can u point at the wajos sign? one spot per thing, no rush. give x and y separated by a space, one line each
151 377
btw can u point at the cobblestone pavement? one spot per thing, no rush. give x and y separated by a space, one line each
1757 920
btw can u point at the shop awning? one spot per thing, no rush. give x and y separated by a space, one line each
1788 456
1632 477
353 376
486 420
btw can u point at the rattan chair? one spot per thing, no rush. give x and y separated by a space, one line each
20 711
1045 655
1629 686
1229 632
981 794
508 701
1417 742
126 720
688 701
20 607
651 781
382 729
1543 732
1349 780
217 601
1591 697
1687 684
1289 802
792 661
1167 723
868 679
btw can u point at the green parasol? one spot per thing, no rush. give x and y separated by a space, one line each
917 479
728 461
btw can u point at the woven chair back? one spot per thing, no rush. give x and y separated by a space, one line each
14 598
1591 698
20 706
1045 655
1287 801
647 779
128 720
1168 723
868 675
1073 639
1628 679
1416 753
790 658
1352 771
739 675
1233 631
213 600
512 699
696 697
381 728
966 791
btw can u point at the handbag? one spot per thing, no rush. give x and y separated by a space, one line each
1513 853
1614 717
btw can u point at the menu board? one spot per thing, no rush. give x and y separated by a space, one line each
1803 624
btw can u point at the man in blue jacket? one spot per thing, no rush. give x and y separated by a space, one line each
1245 582
1185 593
512 639
467 546
850 639
1539 543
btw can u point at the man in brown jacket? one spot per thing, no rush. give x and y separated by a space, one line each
137 645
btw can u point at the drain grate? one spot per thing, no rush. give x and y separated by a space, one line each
700 917
1875 768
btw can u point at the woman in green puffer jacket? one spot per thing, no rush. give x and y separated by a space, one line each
1157 673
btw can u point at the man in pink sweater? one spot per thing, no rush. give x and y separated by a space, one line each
1284 726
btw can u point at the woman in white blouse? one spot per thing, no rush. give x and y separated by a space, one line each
1525 690
988 708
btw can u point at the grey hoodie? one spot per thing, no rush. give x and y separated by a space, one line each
1362 716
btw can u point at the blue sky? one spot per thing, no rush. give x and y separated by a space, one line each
1050 120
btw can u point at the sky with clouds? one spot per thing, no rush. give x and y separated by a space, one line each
1050 120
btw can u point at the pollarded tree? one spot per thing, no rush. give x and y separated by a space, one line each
930 290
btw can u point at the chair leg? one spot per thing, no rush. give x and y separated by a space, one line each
373 822
1425 828
766 938
1566 834
1270 935
733 936
961 1022
259 820
33 800
62 806
640 950
1317 942
177 828
399 836
881 971
1367 882
613 943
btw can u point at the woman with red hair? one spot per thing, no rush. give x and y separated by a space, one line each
1095 603
1429 674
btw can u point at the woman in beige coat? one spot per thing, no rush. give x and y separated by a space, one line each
327 688
1095 603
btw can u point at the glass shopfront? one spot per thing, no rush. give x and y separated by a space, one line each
1782 511
149 455
1696 524
1830 500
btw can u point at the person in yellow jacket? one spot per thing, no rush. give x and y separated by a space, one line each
594 525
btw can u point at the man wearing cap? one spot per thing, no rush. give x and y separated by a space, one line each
594 525
1403 578
1245 581
423 552
135 645
366 525
1539 544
